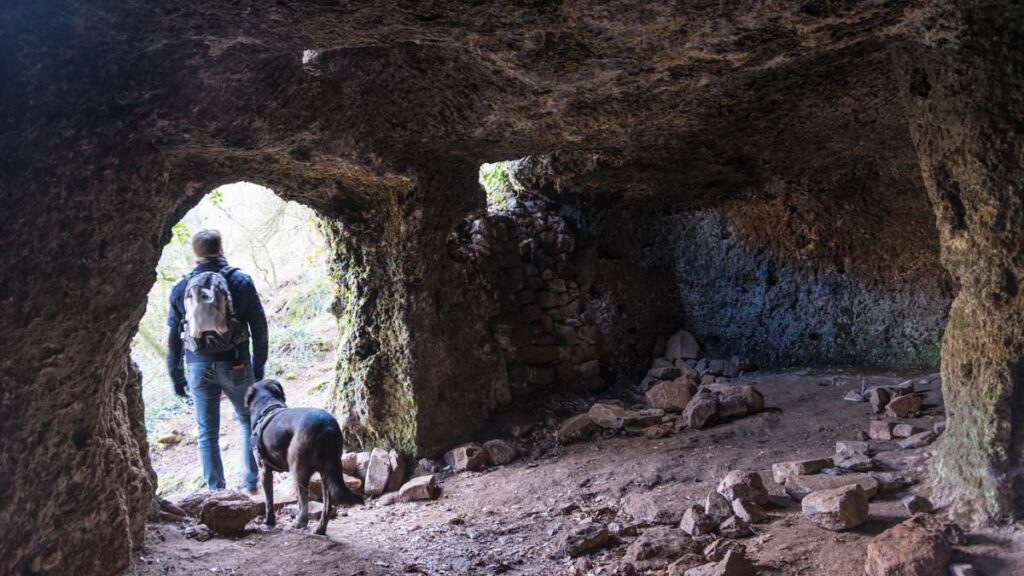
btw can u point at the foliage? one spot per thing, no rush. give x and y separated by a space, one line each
497 184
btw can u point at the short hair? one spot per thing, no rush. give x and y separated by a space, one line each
207 243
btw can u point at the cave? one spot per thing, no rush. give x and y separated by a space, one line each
824 196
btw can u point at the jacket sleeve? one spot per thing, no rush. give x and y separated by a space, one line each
255 317
175 348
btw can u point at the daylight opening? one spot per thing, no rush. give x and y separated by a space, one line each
281 246
499 185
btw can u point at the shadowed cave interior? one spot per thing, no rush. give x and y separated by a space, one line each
592 266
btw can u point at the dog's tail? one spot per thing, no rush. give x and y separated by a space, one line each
340 494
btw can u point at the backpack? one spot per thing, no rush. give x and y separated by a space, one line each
210 325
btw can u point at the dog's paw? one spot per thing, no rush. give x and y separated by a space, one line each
320 531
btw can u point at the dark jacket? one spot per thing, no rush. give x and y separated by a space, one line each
248 310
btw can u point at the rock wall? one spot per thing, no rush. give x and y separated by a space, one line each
742 293
972 160
525 259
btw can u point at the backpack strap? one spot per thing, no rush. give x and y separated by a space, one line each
227 271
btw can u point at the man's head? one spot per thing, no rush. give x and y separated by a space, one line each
207 244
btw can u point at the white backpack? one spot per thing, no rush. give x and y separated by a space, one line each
210 325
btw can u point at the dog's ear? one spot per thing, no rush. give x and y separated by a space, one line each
249 395
275 388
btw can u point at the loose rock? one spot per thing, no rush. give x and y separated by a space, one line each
696 522
918 504
903 406
419 488
659 546
576 428
918 440
227 512
855 462
645 508
672 396
879 398
466 457
880 430
743 485
500 452
748 511
700 410
734 527
783 470
717 506
377 473
904 430
735 563
398 469
837 509
800 486
682 345
608 416
582 539
908 549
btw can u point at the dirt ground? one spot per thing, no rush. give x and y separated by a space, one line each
505 520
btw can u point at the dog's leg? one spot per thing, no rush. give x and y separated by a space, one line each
302 520
268 494
321 527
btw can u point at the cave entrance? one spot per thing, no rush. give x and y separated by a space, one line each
282 246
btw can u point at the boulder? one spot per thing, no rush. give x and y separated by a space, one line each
682 345
783 470
837 509
609 416
658 431
880 430
576 428
582 539
903 406
908 549
734 563
227 512
466 457
500 452
398 471
800 486
748 511
672 396
743 485
700 410
640 419
378 472
696 522
918 440
419 488
717 506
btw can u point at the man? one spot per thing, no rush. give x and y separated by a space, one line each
213 311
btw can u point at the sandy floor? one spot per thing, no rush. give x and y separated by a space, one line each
505 520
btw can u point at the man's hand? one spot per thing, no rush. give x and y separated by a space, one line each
181 388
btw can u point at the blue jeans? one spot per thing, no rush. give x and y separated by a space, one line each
206 381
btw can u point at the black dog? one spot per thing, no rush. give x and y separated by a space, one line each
300 441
